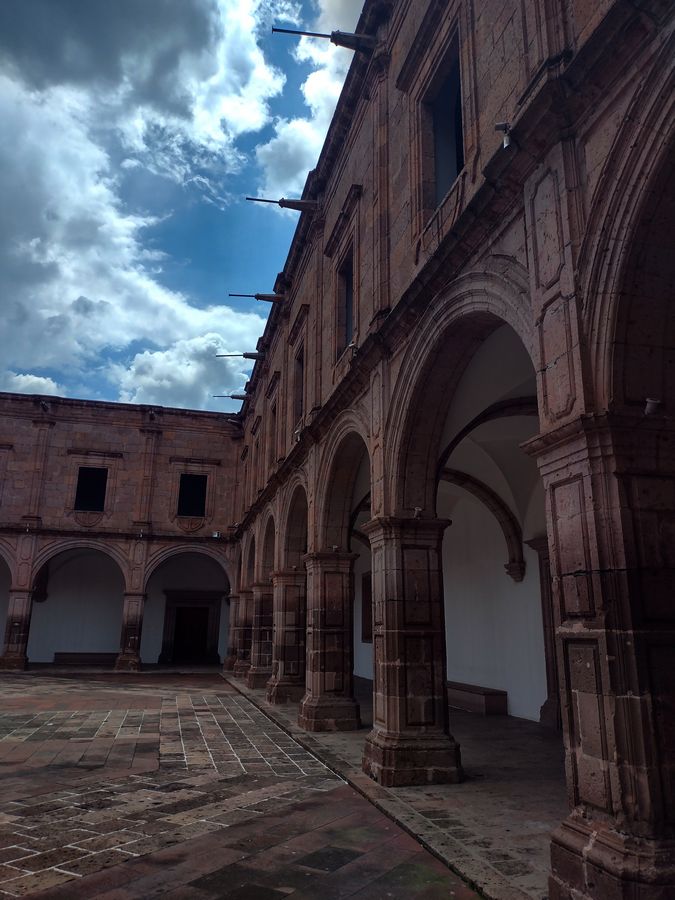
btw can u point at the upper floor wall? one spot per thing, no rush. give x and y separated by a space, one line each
414 186
86 467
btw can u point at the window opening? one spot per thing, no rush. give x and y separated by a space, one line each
299 385
446 111
272 437
91 485
346 301
192 495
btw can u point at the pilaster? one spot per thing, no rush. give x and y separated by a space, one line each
260 670
288 652
16 632
129 659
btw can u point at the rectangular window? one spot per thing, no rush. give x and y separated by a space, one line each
272 437
91 485
446 113
299 385
346 301
367 608
192 495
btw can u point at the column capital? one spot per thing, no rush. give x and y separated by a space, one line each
329 557
424 530
289 576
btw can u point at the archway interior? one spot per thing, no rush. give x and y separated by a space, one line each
78 598
492 492
296 531
643 359
5 584
186 615
348 510
267 561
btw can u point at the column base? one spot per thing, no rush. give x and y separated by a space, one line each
229 662
402 761
128 662
241 668
14 662
329 713
280 692
257 678
591 861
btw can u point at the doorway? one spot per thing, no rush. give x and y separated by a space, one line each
191 627
191 634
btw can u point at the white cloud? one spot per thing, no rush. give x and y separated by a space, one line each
185 374
28 384
287 158
79 281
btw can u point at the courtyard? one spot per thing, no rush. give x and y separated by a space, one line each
179 786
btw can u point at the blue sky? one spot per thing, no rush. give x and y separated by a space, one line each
131 133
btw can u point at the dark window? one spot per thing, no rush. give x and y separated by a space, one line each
446 111
192 495
272 437
367 608
346 302
91 485
299 385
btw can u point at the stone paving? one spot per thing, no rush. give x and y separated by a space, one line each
132 786
494 828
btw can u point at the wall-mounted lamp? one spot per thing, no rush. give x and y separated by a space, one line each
505 128
651 406
232 396
244 355
268 298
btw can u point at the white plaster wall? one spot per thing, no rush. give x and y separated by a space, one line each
363 652
183 572
494 632
5 582
83 610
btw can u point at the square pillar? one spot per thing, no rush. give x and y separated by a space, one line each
288 650
16 633
129 659
231 655
242 640
260 670
410 742
610 501
328 703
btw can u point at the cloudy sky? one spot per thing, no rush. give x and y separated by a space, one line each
131 132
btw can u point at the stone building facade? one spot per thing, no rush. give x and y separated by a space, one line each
96 537
456 458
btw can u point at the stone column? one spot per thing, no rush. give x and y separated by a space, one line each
243 638
288 651
328 703
610 496
260 671
231 655
16 633
549 714
410 742
129 657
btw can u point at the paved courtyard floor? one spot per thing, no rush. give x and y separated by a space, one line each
494 828
140 786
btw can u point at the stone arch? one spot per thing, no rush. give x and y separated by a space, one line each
248 572
8 556
296 527
268 548
336 479
162 555
452 328
55 548
640 160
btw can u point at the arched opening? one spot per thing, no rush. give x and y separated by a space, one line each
186 614
5 585
77 605
261 632
290 607
329 703
491 491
